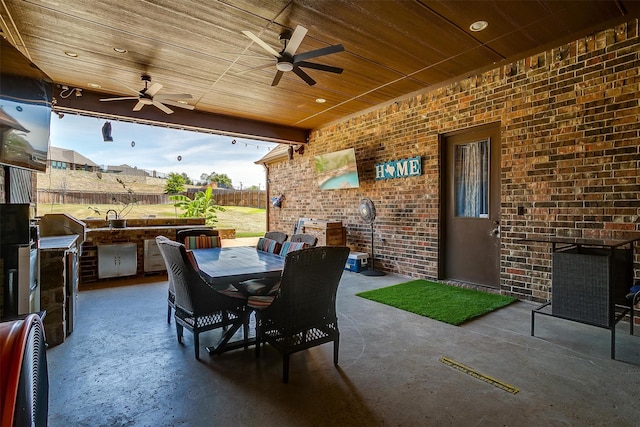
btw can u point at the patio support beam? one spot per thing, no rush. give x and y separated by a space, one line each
89 105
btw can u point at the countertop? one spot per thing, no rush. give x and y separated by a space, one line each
146 227
58 242
580 241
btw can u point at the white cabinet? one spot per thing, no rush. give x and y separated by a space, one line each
153 260
117 260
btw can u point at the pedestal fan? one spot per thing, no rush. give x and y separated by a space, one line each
368 213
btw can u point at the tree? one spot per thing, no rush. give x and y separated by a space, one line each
175 183
253 188
203 205
221 179
122 203
187 180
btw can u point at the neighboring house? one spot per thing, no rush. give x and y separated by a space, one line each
61 158
126 170
64 159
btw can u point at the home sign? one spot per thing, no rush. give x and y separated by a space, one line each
399 168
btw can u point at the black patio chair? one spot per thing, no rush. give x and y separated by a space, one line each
303 312
278 236
181 235
634 298
309 239
198 306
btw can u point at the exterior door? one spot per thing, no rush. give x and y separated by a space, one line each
471 206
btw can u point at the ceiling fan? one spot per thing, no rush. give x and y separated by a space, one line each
288 60
149 96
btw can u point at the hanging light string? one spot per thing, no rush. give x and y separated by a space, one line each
249 144
233 142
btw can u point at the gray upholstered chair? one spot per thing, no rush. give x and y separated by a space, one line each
278 236
198 306
303 312
309 239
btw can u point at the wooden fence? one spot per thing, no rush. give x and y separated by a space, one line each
249 198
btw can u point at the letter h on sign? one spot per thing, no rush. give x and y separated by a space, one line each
399 168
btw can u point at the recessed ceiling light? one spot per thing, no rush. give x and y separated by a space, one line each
478 26
120 50
179 101
94 85
321 100
71 54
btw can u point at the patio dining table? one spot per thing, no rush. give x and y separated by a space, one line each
230 266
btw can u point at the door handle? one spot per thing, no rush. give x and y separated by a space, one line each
495 232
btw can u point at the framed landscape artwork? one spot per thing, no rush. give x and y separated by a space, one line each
337 170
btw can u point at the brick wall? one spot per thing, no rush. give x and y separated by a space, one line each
570 158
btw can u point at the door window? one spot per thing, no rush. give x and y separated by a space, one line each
471 177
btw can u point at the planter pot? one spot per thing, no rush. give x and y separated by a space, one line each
117 223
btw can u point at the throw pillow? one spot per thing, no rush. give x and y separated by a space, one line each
202 242
291 246
268 245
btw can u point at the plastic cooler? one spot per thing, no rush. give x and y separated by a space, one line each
356 262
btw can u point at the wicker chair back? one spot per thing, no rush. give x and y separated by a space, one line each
182 234
306 303
198 307
278 236
309 239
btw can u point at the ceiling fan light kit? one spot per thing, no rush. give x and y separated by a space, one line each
284 65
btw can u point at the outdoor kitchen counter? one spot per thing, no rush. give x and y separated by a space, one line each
139 231
58 285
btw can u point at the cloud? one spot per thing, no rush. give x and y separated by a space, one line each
157 148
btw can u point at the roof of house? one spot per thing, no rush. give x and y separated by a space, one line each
9 121
280 152
69 156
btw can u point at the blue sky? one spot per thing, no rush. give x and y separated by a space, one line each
158 148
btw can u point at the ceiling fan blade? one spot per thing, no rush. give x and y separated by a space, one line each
318 52
153 89
262 44
178 104
138 106
124 98
163 96
296 39
277 78
163 107
320 67
304 76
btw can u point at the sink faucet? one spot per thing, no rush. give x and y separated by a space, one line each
107 214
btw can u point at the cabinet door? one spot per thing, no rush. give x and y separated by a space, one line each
128 260
153 260
117 260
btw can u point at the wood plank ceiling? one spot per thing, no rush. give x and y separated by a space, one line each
391 49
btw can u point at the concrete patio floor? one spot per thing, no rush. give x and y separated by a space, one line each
123 366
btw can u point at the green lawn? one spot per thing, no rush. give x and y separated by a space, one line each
248 222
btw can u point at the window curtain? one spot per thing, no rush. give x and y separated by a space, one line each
472 179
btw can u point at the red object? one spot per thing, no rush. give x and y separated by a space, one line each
13 340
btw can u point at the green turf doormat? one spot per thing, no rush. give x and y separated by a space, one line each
438 301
